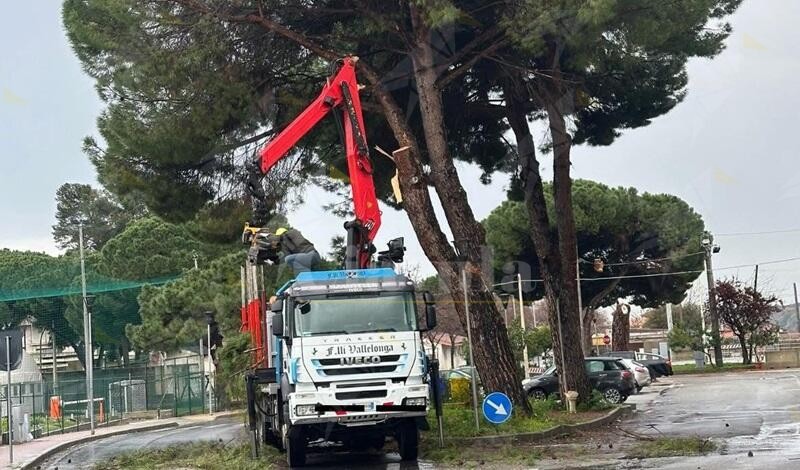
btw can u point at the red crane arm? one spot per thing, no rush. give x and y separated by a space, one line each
340 94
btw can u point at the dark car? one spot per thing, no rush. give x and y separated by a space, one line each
607 375
659 366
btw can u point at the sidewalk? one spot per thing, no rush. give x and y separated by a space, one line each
32 452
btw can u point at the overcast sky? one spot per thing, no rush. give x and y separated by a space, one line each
725 149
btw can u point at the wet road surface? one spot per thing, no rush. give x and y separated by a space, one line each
228 430
86 455
756 412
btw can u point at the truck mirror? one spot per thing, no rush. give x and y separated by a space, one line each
277 325
430 316
276 306
430 310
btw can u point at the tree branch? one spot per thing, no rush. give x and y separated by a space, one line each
264 22
445 80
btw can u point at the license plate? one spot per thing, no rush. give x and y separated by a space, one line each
369 407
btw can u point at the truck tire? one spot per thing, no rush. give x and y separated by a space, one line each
295 447
408 439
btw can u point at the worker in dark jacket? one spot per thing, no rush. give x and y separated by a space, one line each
298 253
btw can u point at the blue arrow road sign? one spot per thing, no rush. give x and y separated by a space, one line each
497 408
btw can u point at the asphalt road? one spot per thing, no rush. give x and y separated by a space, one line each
85 455
756 412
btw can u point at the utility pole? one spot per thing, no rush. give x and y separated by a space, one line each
87 336
755 281
580 302
710 248
796 307
522 317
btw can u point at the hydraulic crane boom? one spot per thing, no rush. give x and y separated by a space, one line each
340 94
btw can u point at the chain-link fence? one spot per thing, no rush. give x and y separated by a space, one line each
176 388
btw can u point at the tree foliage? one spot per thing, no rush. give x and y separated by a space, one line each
190 84
631 233
102 215
26 278
748 313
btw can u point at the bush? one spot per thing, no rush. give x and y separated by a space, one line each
596 402
543 407
460 390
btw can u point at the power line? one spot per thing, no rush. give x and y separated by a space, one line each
652 260
675 273
767 232
762 263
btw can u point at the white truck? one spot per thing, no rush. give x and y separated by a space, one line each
346 364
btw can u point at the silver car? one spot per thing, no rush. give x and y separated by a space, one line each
640 373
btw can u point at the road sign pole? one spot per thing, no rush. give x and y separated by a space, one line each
471 353
8 401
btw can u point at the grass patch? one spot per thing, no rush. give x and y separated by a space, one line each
459 420
201 455
672 447
709 369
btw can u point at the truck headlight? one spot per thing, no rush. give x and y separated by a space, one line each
421 401
305 410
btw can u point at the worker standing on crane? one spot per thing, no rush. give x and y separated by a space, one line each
298 253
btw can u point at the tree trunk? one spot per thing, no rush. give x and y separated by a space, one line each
492 350
746 358
125 348
590 312
560 293
621 328
588 330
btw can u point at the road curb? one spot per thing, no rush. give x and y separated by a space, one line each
556 431
36 461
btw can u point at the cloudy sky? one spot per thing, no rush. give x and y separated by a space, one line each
724 149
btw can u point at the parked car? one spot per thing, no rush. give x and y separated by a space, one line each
641 374
608 375
659 366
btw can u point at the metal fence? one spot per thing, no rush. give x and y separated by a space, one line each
119 394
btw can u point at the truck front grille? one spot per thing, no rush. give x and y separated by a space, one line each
359 370
361 394
333 366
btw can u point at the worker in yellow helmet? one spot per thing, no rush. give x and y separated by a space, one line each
298 253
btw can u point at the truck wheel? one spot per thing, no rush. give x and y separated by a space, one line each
295 447
408 439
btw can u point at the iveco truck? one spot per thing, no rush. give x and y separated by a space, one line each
346 361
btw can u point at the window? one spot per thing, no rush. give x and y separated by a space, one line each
355 314
594 366
614 365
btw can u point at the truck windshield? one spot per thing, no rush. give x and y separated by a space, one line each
350 315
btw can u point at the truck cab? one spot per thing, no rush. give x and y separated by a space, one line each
350 366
